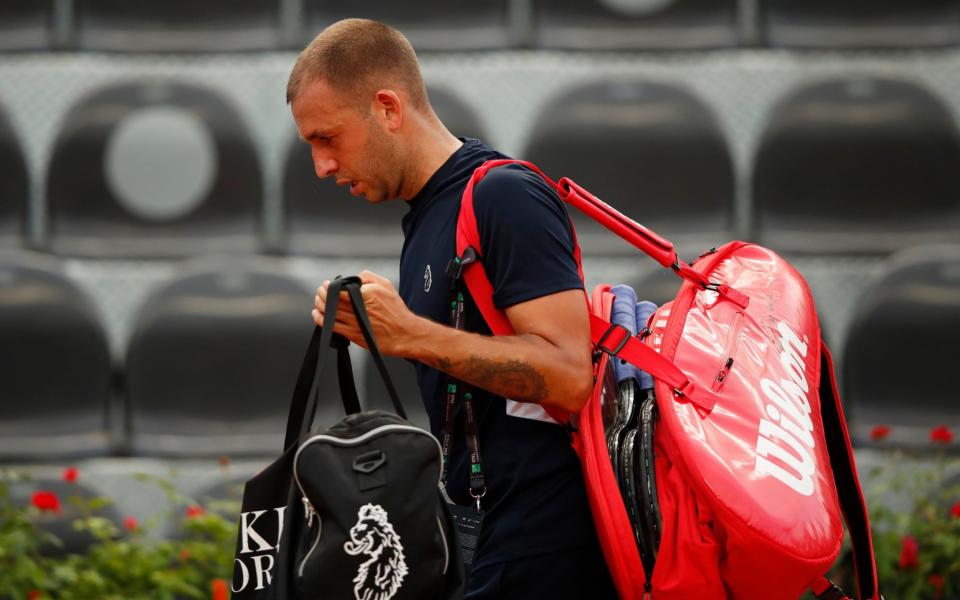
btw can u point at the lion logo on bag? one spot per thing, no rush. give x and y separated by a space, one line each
379 578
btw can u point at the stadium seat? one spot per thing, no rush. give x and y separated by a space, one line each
899 349
322 218
653 151
857 164
177 25
860 23
213 360
214 357
55 366
14 188
26 24
429 25
635 24
404 378
154 169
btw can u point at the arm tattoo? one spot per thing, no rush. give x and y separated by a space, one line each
525 381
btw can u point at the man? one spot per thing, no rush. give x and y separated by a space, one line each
358 99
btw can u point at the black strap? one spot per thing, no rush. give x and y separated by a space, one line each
360 310
303 406
301 392
845 476
348 387
478 486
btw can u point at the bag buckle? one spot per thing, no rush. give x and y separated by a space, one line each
623 341
457 263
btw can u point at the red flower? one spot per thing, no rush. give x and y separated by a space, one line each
70 474
184 555
34 594
194 511
941 435
131 524
46 501
218 590
880 432
909 550
936 580
955 510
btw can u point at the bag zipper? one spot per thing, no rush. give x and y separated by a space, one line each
446 552
729 352
336 441
681 304
311 512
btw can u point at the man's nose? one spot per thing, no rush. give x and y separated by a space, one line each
324 165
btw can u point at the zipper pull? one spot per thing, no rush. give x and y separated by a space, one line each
308 508
725 370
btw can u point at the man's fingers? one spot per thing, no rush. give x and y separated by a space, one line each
371 277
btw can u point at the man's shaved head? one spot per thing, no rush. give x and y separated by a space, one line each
357 57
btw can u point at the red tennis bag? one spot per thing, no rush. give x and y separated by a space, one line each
752 468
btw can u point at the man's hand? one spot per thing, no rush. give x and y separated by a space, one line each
547 361
394 325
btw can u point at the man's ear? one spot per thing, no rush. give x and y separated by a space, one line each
389 106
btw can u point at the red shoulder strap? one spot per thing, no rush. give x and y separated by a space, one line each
602 333
475 276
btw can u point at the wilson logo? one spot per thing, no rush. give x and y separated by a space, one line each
785 443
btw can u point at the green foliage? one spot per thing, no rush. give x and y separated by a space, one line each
911 497
123 562
909 500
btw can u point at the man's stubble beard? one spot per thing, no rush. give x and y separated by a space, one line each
384 164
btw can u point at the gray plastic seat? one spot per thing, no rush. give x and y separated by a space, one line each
635 24
322 218
14 187
214 358
428 24
860 23
857 164
653 151
26 25
404 378
54 364
899 349
154 169
177 25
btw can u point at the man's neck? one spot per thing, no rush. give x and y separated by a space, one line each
433 148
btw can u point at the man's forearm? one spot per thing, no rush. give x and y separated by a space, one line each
526 368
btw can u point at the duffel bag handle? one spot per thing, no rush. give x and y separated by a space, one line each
306 394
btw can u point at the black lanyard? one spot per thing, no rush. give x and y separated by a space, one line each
478 486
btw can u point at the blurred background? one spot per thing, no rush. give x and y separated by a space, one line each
162 229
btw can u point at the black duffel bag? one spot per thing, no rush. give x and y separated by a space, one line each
353 511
